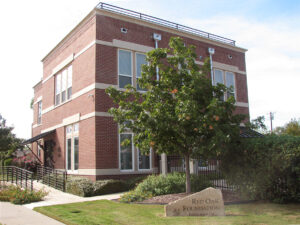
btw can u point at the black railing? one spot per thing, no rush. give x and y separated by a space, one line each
18 176
208 169
52 177
163 22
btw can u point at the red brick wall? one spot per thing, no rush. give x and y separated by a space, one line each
110 28
106 65
107 154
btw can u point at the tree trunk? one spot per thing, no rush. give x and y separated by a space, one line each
187 174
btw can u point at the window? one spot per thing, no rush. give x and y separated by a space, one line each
125 68
230 84
63 85
39 116
226 78
140 60
144 160
72 147
126 152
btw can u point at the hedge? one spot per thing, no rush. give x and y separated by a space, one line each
265 168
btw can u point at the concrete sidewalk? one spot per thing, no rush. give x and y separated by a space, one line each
11 214
56 197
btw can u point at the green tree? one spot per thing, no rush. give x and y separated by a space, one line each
181 112
291 128
8 142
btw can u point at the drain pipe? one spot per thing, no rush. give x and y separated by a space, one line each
211 51
163 157
157 38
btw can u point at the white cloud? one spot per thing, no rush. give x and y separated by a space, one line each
273 63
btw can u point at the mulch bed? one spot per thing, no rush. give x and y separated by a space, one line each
229 197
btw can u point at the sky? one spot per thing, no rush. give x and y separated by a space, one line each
270 30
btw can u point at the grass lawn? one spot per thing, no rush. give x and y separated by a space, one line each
108 212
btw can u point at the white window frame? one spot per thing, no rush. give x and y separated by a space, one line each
136 72
150 160
224 72
60 73
125 75
132 153
234 83
39 112
72 136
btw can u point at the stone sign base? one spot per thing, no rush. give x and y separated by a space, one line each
208 202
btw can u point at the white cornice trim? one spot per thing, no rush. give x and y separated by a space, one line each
40 98
75 118
242 104
81 92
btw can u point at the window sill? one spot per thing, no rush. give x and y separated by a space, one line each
56 106
36 125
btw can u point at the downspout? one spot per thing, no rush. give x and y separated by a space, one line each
164 163
157 38
211 51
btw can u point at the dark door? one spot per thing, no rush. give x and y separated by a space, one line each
48 154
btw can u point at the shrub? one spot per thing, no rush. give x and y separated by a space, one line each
16 195
102 187
84 187
265 168
135 196
80 186
155 185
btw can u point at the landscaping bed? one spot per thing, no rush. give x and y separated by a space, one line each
229 197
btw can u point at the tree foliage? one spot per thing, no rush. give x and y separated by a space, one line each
8 141
181 113
291 128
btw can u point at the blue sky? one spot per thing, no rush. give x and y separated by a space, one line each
270 30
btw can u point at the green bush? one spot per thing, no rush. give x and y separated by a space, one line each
16 195
155 185
135 196
80 186
102 187
265 168
84 187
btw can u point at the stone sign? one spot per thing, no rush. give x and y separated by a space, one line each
208 202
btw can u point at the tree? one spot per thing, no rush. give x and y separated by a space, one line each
291 128
181 112
258 124
8 142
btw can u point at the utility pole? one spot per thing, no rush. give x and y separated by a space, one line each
271 120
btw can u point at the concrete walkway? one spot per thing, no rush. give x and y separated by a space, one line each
11 214
56 197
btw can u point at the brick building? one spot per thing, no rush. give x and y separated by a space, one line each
71 128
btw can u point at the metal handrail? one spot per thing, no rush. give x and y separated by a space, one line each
127 12
52 177
19 176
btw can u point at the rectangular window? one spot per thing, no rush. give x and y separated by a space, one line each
69 85
144 161
126 152
57 88
63 85
230 84
125 68
72 147
226 78
76 152
39 143
39 118
140 60
69 153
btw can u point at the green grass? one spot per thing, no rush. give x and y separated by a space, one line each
108 212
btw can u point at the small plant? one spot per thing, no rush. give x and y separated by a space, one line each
155 185
16 195
135 196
